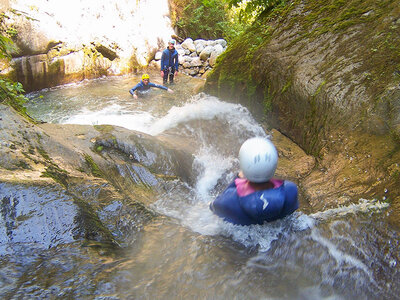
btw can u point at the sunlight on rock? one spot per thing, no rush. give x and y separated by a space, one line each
129 27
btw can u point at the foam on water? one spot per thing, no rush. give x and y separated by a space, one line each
200 107
341 257
198 217
205 107
326 243
362 206
113 115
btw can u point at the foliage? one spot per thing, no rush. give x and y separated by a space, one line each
249 10
205 19
6 33
11 93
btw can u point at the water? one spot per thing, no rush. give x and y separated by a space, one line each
189 253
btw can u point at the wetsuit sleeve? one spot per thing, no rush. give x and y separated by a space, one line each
291 201
158 86
215 205
132 90
163 61
176 61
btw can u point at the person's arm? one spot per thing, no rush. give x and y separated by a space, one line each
176 63
158 86
132 90
163 61
162 64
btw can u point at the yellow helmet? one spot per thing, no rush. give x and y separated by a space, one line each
145 76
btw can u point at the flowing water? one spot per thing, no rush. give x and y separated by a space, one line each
189 253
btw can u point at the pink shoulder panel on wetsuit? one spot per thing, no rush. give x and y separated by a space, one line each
244 189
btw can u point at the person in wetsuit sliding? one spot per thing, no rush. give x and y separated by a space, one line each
254 197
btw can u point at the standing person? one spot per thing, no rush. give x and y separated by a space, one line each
254 197
144 86
169 63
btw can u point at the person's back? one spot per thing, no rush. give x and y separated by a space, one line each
255 197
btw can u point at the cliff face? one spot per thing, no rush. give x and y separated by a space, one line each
59 42
327 75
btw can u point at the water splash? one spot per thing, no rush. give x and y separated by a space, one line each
200 107
113 115
205 107
210 165
363 206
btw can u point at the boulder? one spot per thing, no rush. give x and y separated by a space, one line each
196 62
217 50
200 45
221 42
189 45
206 52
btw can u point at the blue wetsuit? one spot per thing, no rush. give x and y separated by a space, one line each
169 64
257 207
141 87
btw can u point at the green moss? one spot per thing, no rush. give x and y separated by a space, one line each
56 67
267 102
57 174
23 165
92 229
361 40
320 87
43 153
23 218
235 73
286 86
104 128
94 168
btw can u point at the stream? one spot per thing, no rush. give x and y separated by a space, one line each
187 252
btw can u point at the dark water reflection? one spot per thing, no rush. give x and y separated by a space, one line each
169 261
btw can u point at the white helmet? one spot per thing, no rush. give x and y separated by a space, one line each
258 159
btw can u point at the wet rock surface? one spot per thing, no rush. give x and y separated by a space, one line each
65 183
